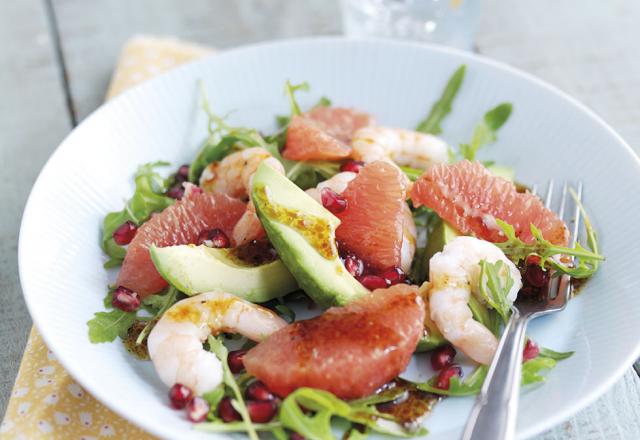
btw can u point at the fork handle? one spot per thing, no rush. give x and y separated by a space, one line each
493 416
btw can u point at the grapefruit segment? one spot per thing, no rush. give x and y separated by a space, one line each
180 223
471 198
373 336
324 133
372 223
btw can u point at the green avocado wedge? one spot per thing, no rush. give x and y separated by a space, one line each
303 233
195 269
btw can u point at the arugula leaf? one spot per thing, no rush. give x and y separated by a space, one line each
325 406
457 387
223 139
517 250
286 312
106 326
531 368
161 303
412 173
486 131
147 198
555 355
485 316
307 174
495 284
218 348
290 90
442 107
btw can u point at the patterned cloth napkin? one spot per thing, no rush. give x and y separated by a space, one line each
46 403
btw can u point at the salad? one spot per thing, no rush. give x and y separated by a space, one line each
281 284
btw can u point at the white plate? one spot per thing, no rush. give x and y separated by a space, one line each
548 135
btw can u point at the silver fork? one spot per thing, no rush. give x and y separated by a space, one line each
493 416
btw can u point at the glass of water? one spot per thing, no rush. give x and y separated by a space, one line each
449 22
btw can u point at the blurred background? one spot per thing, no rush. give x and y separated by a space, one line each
57 57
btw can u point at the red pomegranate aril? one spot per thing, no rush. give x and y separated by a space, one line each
354 265
333 201
125 299
235 359
352 165
536 276
214 238
394 276
180 395
227 412
183 173
531 351
373 282
197 410
125 233
296 436
176 191
442 357
444 378
258 391
261 411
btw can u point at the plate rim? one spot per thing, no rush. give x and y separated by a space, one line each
139 421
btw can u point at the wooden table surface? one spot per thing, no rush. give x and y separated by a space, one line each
56 57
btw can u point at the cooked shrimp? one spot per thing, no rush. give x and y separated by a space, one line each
454 274
233 176
175 343
402 147
338 184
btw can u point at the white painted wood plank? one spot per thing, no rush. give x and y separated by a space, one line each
93 32
33 120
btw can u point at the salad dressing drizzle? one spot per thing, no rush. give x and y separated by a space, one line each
317 231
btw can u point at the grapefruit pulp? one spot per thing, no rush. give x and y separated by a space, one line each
373 336
324 133
470 197
178 224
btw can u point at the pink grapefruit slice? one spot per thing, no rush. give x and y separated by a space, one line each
471 198
178 224
374 336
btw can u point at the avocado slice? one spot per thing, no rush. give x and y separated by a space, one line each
441 234
195 269
303 233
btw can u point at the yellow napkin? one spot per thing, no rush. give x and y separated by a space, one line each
46 403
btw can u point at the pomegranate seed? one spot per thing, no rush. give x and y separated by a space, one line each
536 276
214 238
180 395
197 410
531 351
258 391
176 191
394 276
373 282
444 378
235 359
352 165
442 357
182 174
125 299
227 412
333 201
354 265
125 233
295 436
261 411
